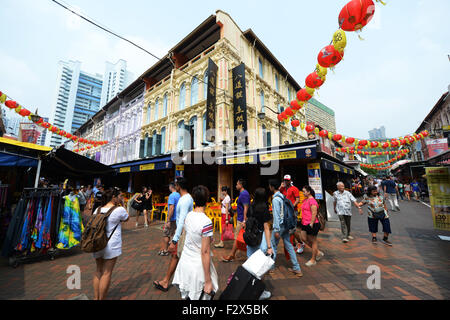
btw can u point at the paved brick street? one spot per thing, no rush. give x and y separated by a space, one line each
416 267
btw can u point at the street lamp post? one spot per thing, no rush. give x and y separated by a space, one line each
262 116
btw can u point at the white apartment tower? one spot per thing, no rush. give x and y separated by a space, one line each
115 79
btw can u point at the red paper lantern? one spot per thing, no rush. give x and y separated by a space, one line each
295 123
350 140
280 117
313 80
402 142
289 111
295 105
303 95
385 145
309 128
24 112
363 143
356 14
337 137
323 133
374 153
394 144
360 147
329 57
374 144
11 104
425 133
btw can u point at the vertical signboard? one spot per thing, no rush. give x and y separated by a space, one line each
211 102
179 171
438 180
315 179
240 106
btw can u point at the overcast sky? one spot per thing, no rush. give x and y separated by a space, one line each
393 77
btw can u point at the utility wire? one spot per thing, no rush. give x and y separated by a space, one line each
97 24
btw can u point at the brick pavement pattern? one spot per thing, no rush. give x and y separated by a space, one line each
416 267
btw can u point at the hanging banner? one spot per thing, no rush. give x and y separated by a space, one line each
438 180
211 102
436 147
29 132
240 106
315 180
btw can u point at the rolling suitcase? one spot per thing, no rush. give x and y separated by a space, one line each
243 286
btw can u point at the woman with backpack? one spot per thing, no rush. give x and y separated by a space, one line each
257 228
106 258
311 225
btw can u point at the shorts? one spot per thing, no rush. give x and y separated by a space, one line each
373 225
180 245
170 231
239 226
311 231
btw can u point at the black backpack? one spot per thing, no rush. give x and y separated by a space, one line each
252 235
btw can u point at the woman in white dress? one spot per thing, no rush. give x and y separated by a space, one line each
195 271
106 258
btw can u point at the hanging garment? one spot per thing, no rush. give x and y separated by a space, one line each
71 226
38 224
15 227
44 239
27 227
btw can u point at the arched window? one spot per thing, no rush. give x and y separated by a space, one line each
261 71
154 143
165 103
262 100
193 125
181 135
264 135
149 109
194 91
205 85
182 102
163 140
146 145
277 84
156 109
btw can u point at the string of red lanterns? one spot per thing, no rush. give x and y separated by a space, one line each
40 122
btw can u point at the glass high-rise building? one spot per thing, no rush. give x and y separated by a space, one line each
378 133
115 79
77 99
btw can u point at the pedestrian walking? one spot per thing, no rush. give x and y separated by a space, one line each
184 206
89 193
311 225
390 192
415 187
106 258
401 190
377 212
195 273
279 230
293 194
171 224
225 213
147 205
408 189
343 208
257 229
82 198
242 207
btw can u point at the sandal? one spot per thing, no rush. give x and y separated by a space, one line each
163 253
160 287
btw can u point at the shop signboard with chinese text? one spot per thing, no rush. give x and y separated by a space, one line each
239 106
211 102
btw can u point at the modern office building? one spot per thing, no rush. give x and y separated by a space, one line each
115 79
77 99
43 136
321 115
11 122
379 133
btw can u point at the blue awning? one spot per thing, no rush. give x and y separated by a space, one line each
14 160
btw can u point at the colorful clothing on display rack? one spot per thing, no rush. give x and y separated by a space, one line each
71 225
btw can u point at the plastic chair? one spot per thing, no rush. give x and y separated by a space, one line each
152 213
164 213
213 200
216 218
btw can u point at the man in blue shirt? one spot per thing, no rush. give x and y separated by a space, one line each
184 206
242 208
171 224
390 191
416 189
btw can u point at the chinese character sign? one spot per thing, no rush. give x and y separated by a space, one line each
240 105
211 101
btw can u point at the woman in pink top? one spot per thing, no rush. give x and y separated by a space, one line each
310 225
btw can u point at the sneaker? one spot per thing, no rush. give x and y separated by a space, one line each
300 248
374 240
386 242
398 208
319 256
345 240
146 225
350 238
265 295
310 264
219 245
137 224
